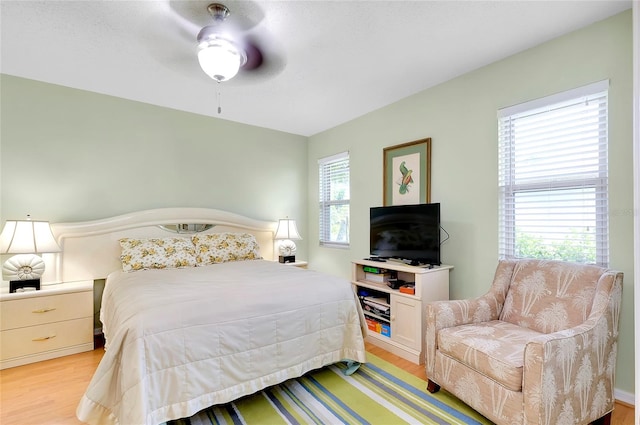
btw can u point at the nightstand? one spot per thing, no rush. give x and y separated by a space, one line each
301 264
39 325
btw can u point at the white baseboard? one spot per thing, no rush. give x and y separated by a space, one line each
624 396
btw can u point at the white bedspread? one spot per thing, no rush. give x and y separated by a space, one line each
184 339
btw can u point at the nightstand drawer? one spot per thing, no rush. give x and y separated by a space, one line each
24 312
41 338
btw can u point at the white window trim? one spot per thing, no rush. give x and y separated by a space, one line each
507 224
327 203
544 102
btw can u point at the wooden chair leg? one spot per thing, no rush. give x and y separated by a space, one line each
432 387
605 420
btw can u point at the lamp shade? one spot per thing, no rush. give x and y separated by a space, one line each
27 237
220 58
287 229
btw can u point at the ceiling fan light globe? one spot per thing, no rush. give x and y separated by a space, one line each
220 59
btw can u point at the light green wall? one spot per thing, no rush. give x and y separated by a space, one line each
70 155
460 117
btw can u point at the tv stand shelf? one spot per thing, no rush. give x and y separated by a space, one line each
407 263
407 322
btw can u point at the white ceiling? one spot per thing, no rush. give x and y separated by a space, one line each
336 60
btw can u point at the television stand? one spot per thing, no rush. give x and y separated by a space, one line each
402 331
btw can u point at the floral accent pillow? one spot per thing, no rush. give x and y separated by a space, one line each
165 253
217 248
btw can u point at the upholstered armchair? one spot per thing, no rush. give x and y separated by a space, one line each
538 348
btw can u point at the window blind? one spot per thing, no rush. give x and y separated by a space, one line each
334 200
553 177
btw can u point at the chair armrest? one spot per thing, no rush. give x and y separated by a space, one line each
447 314
570 373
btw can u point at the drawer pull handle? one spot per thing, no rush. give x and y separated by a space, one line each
43 338
43 310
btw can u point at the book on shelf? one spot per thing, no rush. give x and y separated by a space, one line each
381 328
377 277
376 270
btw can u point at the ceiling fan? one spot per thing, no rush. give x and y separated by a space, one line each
226 43
220 52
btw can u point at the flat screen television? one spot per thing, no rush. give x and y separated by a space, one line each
407 232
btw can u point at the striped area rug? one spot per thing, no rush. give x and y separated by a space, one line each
379 393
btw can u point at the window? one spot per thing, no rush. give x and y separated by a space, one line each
553 178
334 200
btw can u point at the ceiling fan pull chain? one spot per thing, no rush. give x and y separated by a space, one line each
219 107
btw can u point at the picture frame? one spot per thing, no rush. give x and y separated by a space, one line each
407 173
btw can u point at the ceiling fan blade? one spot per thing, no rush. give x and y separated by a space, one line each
169 39
254 57
267 64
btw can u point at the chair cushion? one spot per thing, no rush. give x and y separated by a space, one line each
495 349
550 296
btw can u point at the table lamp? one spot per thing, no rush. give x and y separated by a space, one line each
287 230
26 238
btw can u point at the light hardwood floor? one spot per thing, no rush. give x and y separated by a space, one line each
48 392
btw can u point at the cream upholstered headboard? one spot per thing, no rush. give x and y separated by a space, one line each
90 249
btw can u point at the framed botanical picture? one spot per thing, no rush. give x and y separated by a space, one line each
407 173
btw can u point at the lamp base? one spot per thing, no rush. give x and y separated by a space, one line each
287 258
21 284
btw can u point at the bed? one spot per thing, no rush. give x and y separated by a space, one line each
180 339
